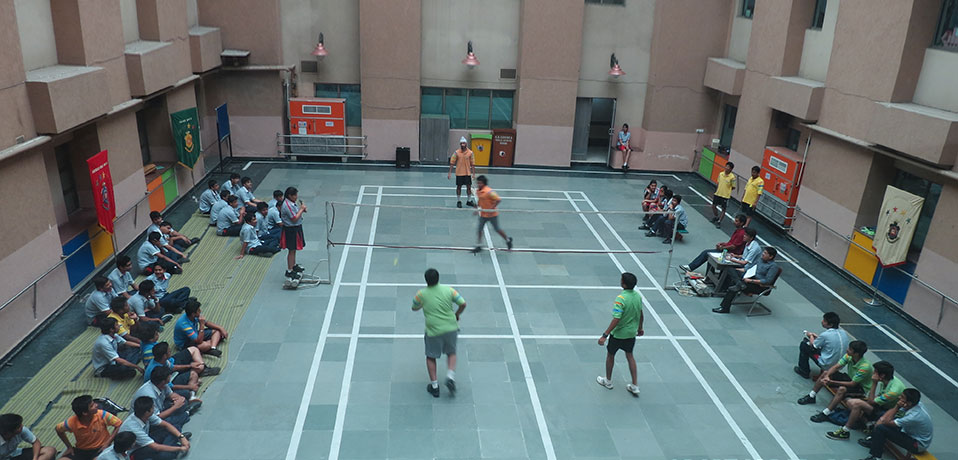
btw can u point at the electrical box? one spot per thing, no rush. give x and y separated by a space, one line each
782 172
322 116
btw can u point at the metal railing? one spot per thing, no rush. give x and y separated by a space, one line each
319 145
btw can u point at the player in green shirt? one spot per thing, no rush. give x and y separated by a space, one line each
442 327
853 384
626 325
885 385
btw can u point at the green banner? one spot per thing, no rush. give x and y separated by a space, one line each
186 136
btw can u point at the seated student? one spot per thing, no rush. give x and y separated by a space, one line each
172 237
171 407
174 251
125 321
98 303
13 433
172 302
662 198
187 366
907 425
192 329
245 194
853 384
664 224
155 438
146 306
209 196
230 220
277 198
268 224
106 357
122 445
122 277
883 395
251 244
90 426
824 348
232 185
150 254
218 206
765 272
735 246
651 194
149 335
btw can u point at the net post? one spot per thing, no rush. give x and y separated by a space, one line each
329 252
668 265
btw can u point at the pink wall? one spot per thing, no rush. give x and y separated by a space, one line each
543 145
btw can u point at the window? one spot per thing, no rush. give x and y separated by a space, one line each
921 187
794 136
728 127
819 18
67 183
607 2
947 36
354 103
144 137
470 108
748 8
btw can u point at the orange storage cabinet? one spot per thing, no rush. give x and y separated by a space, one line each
718 166
782 171
324 116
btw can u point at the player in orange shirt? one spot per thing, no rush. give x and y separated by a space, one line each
488 200
465 165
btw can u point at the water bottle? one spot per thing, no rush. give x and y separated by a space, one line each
724 255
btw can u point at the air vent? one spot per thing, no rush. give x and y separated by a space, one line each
308 66
507 74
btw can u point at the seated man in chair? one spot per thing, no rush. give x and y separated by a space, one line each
735 246
765 272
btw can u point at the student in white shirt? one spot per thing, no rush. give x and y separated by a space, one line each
251 244
268 224
122 277
218 206
232 185
245 194
209 196
230 219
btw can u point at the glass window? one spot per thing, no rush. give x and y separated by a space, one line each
748 8
947 36
454 105
431 101
478 117
353 96
794 136
501 109
728 127
324 90
819 18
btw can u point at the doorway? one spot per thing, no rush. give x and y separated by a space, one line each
592 132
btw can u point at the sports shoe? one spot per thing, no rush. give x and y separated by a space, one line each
839 434
292 275
713 220
471 204
865 442
644 227
215 352
604 382
685 268
166 318
667 241
434 391
650 234
458 204
800 372
509 243
819 417
476 250
298 268
210 371
451 386
192 406
634 389
194 241
804 400
187 435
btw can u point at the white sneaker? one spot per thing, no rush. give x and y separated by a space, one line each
634 389
604 382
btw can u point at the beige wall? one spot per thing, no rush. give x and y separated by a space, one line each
936 84
256 107
131 30
817 49
252 25
493 27
740 35
338 20
192 14
35 23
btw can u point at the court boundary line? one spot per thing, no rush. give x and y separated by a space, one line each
412 195
733 424
510 286
708 348
503 336
848 304
523 358
296 436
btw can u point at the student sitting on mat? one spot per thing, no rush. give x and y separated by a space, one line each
209 196
232 185
187 364
13 433
121 447
176 252
98 303
192 329
147 307
230 219
171 237
125 322
277 197
251 244
172 302
168 406
90 426
107 361
268 224
155 438
245 194
218 206
122 277
150 254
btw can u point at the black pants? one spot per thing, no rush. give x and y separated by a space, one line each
807 351
233 230
883 433
700 259
82 454
173 302
147 452
664 227
118 372
740 287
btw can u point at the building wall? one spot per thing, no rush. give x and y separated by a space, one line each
131 29
817 49
339 23
739 38
936 83
35 24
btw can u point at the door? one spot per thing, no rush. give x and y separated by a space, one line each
592 132
580 128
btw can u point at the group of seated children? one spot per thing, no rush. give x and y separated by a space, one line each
869 392
234 211
664 211
150 300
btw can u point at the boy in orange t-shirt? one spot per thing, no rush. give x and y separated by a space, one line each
488 200
465 165
90 427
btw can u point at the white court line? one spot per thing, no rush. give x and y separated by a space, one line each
864 316
523 250
248 163
449 196
523 359
507 336
678 348
509 286
354 340
297 434
718 361
427 187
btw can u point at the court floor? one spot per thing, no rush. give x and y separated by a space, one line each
337 371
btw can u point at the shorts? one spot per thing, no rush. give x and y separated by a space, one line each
622 147
719 201
464 180
183 357
25 454
441 344
291 237
78 454
494 221
747 209
855 392
626 345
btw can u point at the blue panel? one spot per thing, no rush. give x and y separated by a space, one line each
81 264
893 282
222 122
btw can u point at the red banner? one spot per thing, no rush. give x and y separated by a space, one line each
102 190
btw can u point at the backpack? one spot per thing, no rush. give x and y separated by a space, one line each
108 405
840 417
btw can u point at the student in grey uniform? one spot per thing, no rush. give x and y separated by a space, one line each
245 194
209 196
106 357
251 244
155 438
120 450
292 238
167 405
150 254
825 348
172 302
13 433
146 305
907 425
170 236
268 224
122 277
97 305
230 219
232 185
218 206
277 197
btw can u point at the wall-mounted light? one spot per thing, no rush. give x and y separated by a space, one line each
470 61
614 68
320 50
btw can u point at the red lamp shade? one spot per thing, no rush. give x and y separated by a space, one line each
320 50
614 69
470 60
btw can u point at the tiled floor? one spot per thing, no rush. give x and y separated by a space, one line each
338 370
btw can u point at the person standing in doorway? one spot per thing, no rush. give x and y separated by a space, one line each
488 201
442 328
753 190
625 326
292 239
465 164
623 144
726 183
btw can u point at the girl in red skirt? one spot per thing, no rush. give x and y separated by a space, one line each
291 238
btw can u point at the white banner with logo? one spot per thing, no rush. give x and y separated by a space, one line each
896 225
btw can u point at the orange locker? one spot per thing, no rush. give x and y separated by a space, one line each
717 167
326 116
782 171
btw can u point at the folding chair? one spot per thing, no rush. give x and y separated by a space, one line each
756 301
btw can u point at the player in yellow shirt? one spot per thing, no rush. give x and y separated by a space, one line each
465 164
726 183
753 189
